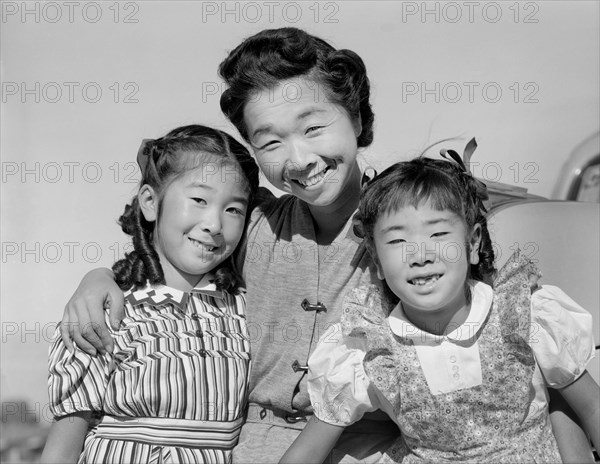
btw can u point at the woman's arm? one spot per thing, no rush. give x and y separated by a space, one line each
583 396
314 443
83 319
65 441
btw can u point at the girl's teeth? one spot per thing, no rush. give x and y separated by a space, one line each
425 280
202 245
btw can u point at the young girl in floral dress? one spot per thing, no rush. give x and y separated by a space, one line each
462 361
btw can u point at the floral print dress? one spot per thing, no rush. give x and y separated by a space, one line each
497 418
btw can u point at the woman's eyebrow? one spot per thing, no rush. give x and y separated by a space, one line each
261 130
310 111
305 114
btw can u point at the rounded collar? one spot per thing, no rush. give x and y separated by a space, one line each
481 303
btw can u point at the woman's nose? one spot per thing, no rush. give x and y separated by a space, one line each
300 157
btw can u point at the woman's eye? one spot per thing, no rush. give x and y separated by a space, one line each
440 234
200 201
269 145
314 129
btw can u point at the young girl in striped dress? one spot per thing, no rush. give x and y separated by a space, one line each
174 388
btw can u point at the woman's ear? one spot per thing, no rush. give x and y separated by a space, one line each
474 244
148 200
357 125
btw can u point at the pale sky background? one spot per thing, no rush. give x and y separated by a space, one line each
83 84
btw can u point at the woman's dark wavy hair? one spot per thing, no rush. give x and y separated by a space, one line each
274 55
444 185
162 161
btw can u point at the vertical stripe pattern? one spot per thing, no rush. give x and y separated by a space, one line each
173 360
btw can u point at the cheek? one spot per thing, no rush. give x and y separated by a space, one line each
342 143
235 230
391 267
268 165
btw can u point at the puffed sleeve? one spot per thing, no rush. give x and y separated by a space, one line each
561 336
77 381
339 389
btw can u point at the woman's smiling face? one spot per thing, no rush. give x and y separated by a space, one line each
304 144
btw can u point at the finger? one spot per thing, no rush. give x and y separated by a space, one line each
90 332
96 331
82 343
82 336
66 335
105 337
116 303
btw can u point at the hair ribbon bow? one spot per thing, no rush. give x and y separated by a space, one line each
481 192
143 154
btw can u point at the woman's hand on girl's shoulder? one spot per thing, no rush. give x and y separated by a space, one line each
84 319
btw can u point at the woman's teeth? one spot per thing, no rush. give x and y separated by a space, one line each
202 246
314 179
425 280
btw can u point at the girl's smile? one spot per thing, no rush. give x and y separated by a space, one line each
423 255
200 223
426 282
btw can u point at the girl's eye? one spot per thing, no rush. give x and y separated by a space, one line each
440 234
314 129
236 211
396 241
200 201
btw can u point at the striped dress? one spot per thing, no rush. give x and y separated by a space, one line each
175 387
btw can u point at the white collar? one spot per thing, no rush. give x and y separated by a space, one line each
162 294
481 303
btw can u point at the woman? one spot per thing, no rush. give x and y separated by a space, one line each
304 108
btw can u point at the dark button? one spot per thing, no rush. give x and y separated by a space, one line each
195 316
199 333
292 419
202 352
297 367
306 306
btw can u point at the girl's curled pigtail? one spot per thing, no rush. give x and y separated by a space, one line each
142 264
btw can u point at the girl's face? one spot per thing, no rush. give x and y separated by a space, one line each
200 223
424 256
304 144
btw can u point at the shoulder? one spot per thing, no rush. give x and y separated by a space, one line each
518 271
267 204
561 336
365 307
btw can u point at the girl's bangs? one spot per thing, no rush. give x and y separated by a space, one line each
431 187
